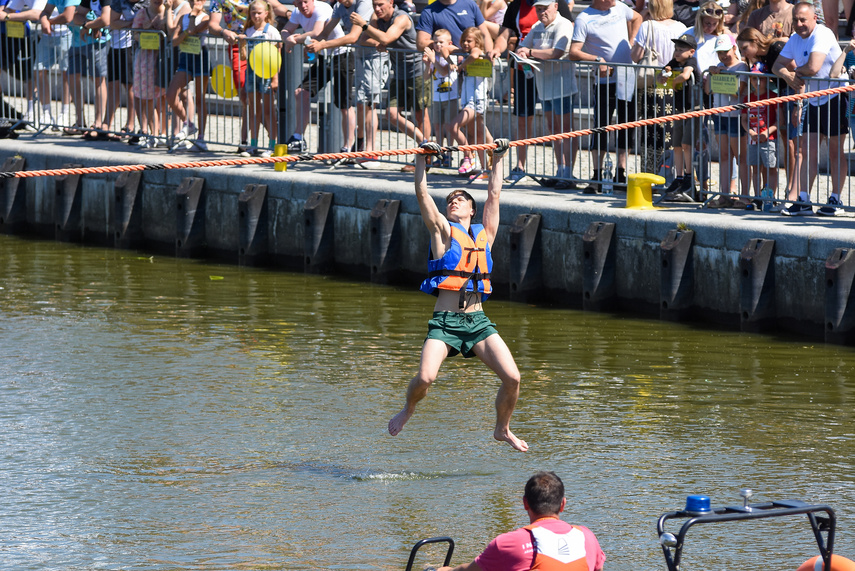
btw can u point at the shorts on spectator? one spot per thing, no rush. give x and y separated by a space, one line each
562 105
238 66
89 60
827 119
410 94
442 114
372 73
525 94
194 65
256 84
51 51
120 65
339 69
473 94
730 126
16 57
763 154
686 132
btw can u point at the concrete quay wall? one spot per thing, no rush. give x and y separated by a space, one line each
677 263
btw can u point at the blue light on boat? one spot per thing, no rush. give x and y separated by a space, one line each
698 505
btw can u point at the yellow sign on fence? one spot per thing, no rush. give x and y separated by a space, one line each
15 29
724 84
480 68
149 41
191 45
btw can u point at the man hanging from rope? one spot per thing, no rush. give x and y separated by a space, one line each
459 275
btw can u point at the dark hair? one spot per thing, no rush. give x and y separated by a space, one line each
544 492
465 195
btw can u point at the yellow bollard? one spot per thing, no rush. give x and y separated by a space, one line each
639 194
280 151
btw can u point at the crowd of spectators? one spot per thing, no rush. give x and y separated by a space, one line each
428 70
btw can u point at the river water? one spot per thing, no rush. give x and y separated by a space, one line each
171 414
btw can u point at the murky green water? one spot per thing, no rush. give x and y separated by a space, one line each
168 414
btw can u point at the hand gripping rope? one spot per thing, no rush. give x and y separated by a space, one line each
421 151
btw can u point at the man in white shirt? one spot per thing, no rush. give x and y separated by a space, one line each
312 17
806 59
548 41
604 33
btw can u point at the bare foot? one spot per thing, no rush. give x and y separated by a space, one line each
502 436
398 421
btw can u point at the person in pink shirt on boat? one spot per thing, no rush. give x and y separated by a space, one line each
547 543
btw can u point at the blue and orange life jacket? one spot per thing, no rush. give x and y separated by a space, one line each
465 266
558 551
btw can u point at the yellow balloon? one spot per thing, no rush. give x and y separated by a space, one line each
223 82
265 60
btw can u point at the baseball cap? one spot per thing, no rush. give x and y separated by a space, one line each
687 39
724 43
543 2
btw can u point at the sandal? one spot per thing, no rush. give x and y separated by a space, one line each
73 131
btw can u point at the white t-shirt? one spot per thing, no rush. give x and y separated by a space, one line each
605 33
322 13
268 32
554 80
445 88
799 49
705 54
661 36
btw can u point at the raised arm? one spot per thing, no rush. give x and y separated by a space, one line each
436 223
490 218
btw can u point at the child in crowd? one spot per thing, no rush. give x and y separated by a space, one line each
682 74
473 98
146 63
193 64
731 143
445 89
761 124
260 27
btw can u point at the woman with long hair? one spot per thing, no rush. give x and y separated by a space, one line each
757 47
709 24
655 34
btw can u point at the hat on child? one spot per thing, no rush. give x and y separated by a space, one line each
724 43
687 40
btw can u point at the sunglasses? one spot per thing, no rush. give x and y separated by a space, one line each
718 12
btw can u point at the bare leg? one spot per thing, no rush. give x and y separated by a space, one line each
434 353
495 354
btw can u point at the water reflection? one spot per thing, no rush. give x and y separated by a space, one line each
162 413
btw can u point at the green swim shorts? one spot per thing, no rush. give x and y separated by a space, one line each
460 331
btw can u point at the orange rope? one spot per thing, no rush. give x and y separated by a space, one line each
415 151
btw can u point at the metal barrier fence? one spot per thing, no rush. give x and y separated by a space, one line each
366 100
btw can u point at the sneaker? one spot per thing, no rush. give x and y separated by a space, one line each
516 175
30 120
199 145
186 131
675 186
147 142
593 188
263 153
831 209
480 176
296 146
798 210
465 166
620 176
756 205
243 148
248 152
61 121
